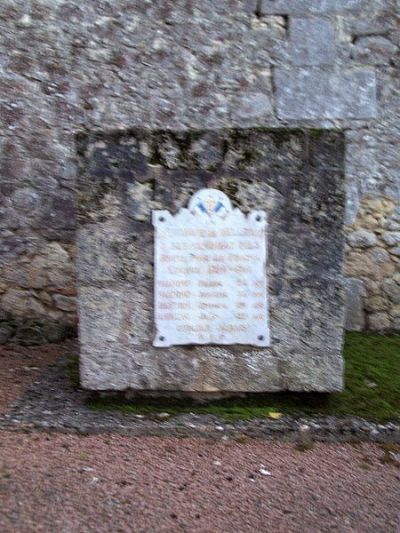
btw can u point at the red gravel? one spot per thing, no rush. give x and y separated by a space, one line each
112 483
20 365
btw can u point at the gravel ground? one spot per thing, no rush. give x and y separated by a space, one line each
21 365
51 482
114 483
51 403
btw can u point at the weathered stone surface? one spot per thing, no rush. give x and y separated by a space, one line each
310 6
6 332
392 238
72 66
35 331
370 258
355 317
21 303
65 303
393 225
380 256
376 303
395 251
310 93
373 50
254 105
207 151
47 265
362 239
392 289
380 321
374 263
311 41
304 267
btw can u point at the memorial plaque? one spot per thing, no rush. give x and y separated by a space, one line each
176 300
210 280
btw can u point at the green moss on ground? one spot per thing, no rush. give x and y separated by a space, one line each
372 379
71 367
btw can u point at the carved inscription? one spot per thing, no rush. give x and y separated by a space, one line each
210 282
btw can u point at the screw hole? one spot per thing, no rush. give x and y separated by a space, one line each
258 218
260 337
161 219
161 338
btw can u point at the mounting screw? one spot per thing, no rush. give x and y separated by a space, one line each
258 218
161 219
260 337
161 338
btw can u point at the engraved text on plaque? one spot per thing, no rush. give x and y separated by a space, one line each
210 282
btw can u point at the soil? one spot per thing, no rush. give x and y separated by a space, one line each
22 365
114 483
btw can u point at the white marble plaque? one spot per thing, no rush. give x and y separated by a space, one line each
210 281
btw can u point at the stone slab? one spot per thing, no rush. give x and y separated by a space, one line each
311 93
311 41
288 7
355 316
294 176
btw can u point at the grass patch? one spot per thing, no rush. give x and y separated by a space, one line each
372 379
71 367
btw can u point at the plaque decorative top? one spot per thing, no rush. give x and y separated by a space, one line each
210 281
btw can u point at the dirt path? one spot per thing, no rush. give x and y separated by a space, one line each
21 365
112 483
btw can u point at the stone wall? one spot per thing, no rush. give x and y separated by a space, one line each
372 267
68 66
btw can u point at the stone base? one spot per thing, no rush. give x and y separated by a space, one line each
297 177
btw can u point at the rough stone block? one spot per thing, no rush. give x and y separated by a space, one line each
373 50
295 176
355 316
311 41
391 238
252 105
250 6
362 239
379 322
315 93
272 7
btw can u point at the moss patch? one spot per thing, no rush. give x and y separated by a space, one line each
71 367
372 390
